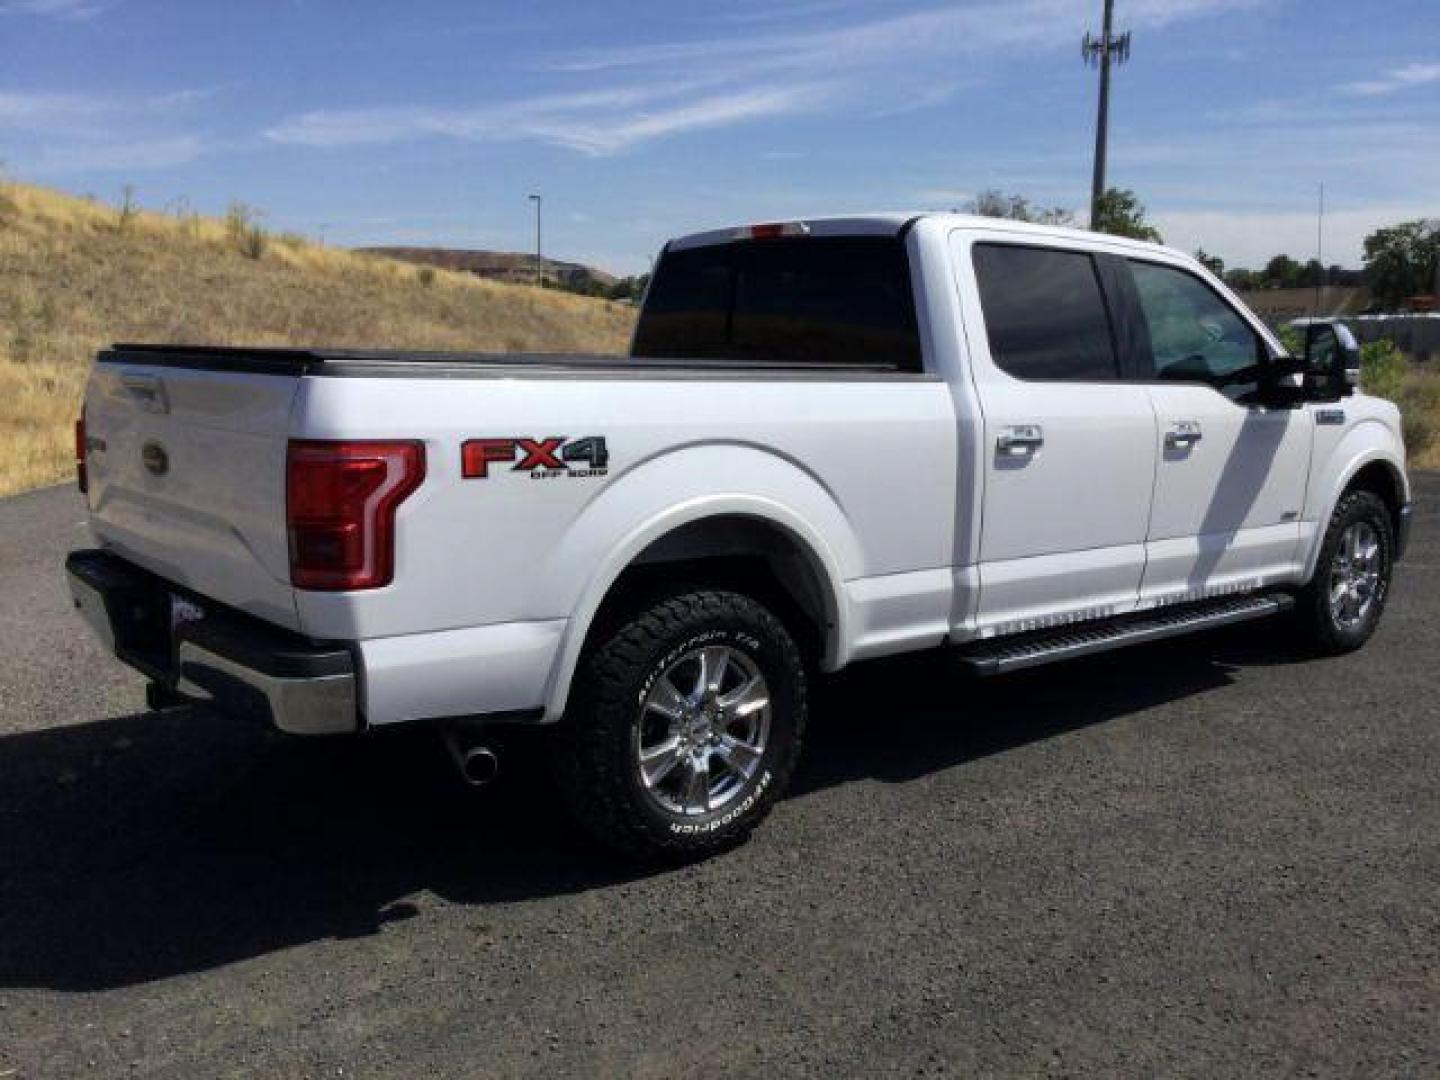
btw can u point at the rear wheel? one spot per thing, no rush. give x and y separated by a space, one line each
1341 607
685 726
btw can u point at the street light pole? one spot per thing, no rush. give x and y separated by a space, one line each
1103 51
539 258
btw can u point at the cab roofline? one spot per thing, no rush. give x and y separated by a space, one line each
897 223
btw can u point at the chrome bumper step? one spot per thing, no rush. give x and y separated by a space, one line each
1084 639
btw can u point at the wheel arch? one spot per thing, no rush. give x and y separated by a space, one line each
787 521
1368 466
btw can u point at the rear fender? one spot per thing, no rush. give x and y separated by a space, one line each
677 489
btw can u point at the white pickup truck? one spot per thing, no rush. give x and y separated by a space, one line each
834 440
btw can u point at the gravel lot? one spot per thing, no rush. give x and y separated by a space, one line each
1204 858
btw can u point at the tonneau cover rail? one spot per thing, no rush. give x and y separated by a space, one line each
353 362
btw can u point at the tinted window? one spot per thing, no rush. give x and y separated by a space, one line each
1045 313
1195 336
820 300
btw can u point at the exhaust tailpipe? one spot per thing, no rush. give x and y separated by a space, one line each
478 764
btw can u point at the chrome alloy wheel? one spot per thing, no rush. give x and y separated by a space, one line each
702 730
1355 582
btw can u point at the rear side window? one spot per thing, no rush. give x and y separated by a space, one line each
801 301
1045 313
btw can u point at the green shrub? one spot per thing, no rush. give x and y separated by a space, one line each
1292 339
1382 369
1419 401
1386 373
127 211
242 223
426 276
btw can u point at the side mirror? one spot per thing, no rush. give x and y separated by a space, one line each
1332 361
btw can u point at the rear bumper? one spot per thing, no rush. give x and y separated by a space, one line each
194 646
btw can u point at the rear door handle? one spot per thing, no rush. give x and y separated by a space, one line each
1183 434
1020 439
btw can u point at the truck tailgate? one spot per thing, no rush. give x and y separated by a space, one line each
187 478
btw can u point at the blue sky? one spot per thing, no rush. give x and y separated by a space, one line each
429 121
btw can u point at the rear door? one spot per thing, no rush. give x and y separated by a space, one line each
1231 472
1068 447
187 477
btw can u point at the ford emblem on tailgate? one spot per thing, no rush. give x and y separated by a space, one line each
156 460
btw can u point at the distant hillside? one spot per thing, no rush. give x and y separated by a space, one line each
498 265
76 275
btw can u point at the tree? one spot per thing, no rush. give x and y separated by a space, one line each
629 288
1401 261
1213 263
997 204
1121 213
1282 272
1242 280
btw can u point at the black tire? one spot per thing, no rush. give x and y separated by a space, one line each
608 722
1325 630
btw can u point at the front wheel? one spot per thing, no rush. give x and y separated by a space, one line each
685 726
1341 607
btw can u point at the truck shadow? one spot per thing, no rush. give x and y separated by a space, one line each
142 847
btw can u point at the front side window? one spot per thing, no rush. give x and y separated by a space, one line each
1195 336
1045 313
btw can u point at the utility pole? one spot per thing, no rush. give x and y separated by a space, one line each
1320 249
539 259
1104 51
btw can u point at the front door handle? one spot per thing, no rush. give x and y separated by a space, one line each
1020 439
1183 434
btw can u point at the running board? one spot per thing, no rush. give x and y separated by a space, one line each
1066 643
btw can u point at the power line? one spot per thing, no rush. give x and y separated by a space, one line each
1102 52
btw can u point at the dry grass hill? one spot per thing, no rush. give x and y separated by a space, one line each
76 275
499 265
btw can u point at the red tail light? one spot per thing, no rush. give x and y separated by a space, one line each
340 500
82 474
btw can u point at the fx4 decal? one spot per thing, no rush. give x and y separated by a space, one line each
544 459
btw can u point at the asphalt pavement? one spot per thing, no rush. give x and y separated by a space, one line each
1212 857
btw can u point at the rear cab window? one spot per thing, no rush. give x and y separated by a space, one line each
1045 313
793 301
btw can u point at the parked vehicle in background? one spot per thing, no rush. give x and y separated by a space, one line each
835 440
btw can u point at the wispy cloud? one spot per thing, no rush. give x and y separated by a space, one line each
59 132
1396 80
74 10
895 40
44 111
132 155
595 122
747 69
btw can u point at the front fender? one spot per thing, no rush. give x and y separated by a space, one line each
676 488
1367 442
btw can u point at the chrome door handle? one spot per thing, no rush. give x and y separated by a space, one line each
1183 434
1020 439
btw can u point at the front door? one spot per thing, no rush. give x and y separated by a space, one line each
1068 447
1231 472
